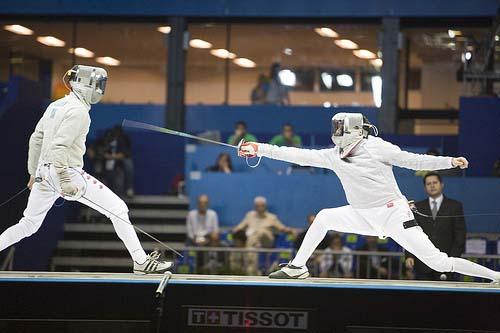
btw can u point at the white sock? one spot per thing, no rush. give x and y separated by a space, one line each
466 267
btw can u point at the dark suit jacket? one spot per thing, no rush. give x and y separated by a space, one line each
446 233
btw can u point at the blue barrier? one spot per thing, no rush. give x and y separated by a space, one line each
294 196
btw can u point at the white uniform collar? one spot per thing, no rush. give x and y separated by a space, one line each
80 99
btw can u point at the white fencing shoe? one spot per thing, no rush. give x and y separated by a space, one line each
152 265
289 271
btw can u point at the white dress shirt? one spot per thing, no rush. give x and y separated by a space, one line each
439 201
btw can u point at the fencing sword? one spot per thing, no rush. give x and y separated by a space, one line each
149 127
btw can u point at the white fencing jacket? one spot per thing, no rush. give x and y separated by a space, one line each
59 136
366 174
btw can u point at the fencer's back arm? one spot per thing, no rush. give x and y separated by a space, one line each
392 154
74 122
319 158
35 147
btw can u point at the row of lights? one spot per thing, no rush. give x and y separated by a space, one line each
56 42
349 45
219 53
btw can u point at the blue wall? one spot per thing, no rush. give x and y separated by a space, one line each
256 8
479 139
294 196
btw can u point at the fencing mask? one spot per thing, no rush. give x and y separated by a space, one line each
348 129
88 82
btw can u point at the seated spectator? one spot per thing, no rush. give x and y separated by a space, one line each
223 164
260 226
336 265
240 132
287 138
259 93
372 266
118 164
300 237
202 225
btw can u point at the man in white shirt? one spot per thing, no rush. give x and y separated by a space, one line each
376 206
202 224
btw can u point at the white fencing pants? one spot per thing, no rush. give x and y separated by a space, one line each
386 221
44 194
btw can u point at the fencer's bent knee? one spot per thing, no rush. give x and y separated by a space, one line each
440 263
321 219
28 226
120 208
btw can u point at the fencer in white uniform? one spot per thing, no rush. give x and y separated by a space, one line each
376 207
55 162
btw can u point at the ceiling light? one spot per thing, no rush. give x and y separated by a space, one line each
200 44
288 51
223 53
51 41
364 54
164 29
244 62
287 77
376 62
81 52
327 104
346 44
108 61
327 80
345 80
18 29
326 32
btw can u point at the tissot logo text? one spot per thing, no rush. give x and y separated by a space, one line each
247 317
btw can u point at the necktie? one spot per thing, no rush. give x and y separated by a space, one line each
434 209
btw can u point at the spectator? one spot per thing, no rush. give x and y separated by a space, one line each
277 93
240 132
202 224
118 165
259 226
496 168
287 138
336 265
223 164
446 233
373 266
259 93
300 237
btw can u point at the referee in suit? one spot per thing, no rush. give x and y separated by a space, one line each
446 233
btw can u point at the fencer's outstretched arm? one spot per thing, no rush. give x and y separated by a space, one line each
392 154
305 157
35 147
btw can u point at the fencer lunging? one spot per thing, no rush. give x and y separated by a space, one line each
55 162
376 207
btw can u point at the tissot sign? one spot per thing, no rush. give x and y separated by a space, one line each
247 317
